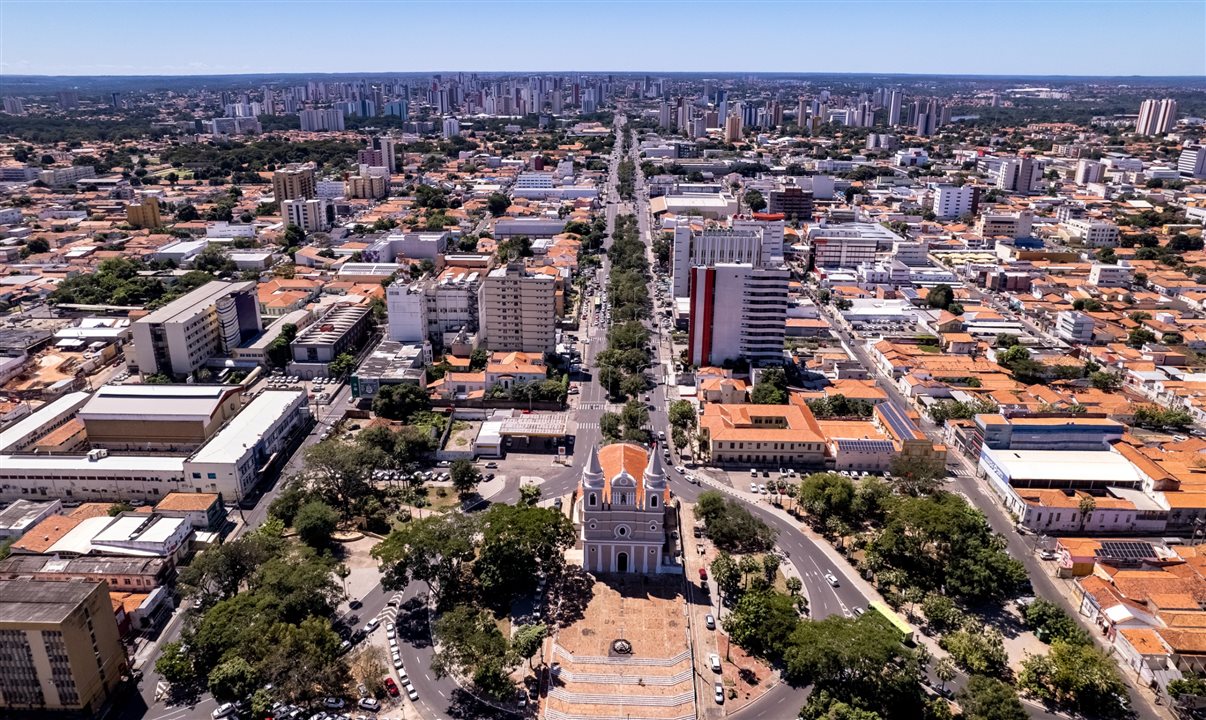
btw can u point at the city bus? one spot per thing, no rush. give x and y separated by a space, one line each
893 619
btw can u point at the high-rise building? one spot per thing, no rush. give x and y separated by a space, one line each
451 127
738 311
14 106
517 310
60 649
321 120
1192 162
732 128
179 337
144 213
952 201
1156 117
791 201
312 215
398 108
372 183
293 182
1089 171
382 153
711 247
1020 175
894 107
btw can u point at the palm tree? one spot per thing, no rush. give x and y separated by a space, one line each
945 671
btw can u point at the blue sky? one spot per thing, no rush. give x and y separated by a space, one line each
187 37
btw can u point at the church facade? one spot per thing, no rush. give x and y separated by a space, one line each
622 511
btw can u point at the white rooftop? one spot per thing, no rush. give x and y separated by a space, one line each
157 402
245 430
1064 465
30 424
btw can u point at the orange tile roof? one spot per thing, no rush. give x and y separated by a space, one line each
42 536
187 502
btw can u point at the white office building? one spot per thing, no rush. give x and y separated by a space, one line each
1156 117
712 247
313 215
211 320
738 311
951 201
1093 233
321 120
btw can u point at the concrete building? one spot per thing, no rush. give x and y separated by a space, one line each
1020 175
951 201
792 202
295 181
181 336
517 310
22 515
372 183
62 649
1074 327
330 120
451 127
144 213
1192 162
623 511
166 418
1120 275
430 308
1012 225
738 311
1089 171
712 247
1047 433
341 329
313 215
1156 117
763 435
1093 233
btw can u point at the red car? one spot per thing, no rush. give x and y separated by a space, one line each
391 687
703 574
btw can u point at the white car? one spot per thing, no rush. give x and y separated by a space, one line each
398 664
334 703
389 633
223 710
410 690
718 695
831 579
714 662
370 704
680 469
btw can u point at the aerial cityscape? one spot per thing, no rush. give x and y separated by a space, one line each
874 393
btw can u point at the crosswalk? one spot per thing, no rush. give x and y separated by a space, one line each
588 426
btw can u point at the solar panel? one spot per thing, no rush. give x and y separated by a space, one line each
897 420
1126 550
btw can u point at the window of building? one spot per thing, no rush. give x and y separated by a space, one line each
622 531
592 500
653 501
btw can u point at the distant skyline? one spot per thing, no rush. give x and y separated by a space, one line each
969 37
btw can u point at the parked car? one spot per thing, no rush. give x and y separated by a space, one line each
709 622
410 691
223 710
718 694
391 687
370 703
491 465
334 703
714 662
703 574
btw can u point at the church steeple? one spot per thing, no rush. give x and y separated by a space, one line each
655 474
592 475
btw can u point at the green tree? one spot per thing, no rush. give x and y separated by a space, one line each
529 494
465 476
315 523
431 550
762 622
610 424
278 351
826 494
682 414
1106 381
766 394
794 585
175 665
1139 337
941 613
918 475
343 366
118 508
498 203
187 213
726 574
339 473
731 526
754 201
987 698
1075 678
233 679
940 296
400 402
517 544
526 641
981 652
1050 623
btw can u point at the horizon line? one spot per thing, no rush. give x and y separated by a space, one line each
718 73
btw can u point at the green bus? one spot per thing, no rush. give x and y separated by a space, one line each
894 620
